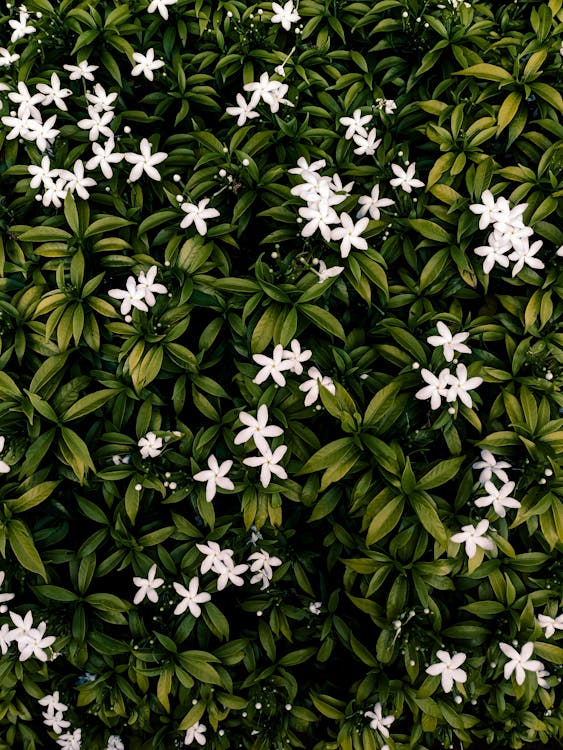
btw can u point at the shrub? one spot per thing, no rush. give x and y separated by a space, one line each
280 372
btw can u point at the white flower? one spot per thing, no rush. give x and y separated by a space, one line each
263 561
519 663
494 252
75 180
286 14
55 192
43 133
451 344
71 741
23 625
315 608
488 210
319 215
367 145
214 557
190 597
325 273
5 638
104 157
257 429
228 571
6 59
460 385
303 166
33 642
268 462
436 389
100 99
4 469
498 498
244 111
114 741
4 597
489 466
311 386
378 721
295 356
52 703
272 367
145 283
559 251
133 296
54 93
145 161
551 624
197 215
82 70
42 175
161 6
20 27
349 234
355 124
55 721
146 64
448 668
277 97
372 204
473 537
195 733
26 101
262 89
215 477
388 105
147 586
405 180
524 255
97 123
150 445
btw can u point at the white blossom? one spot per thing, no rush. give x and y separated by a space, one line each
449 669
150 445
215 477
473 537
191 598
147 586
146 64
519 662
450 343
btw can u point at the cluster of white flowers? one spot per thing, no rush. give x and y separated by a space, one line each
31 640
366 141
509 234
220 561
267 90
138 293
257 429
446 385
53 716
282 359
71 740
261 565
498 497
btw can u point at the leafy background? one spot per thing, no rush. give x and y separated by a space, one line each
377 482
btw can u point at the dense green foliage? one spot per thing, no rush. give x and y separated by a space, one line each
107 414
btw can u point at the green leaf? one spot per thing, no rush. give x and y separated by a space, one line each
440 474
88 404
23 547
323 319
486 72
386 520
429 229
32 497
327 455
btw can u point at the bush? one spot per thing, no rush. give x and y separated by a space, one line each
280 372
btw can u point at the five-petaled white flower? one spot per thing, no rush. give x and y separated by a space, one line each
295 356
4 469
349 234
449 669
214 556
367 145
82 70
324 272
269 463
488 210
104 157
147 586
451 344
286 14
229 572
459 386
272 366
524 254
53 93
215 477
197 215
145 161
372 203
257 428
263 561
473 537
244 111
161 6
75 180
355 124
97 123
145 283
550 624
150 445
494 252
436 389
52 703
146 64
379 722
489 466
196 733
190 597
312 386
405 179
520 663
498 498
